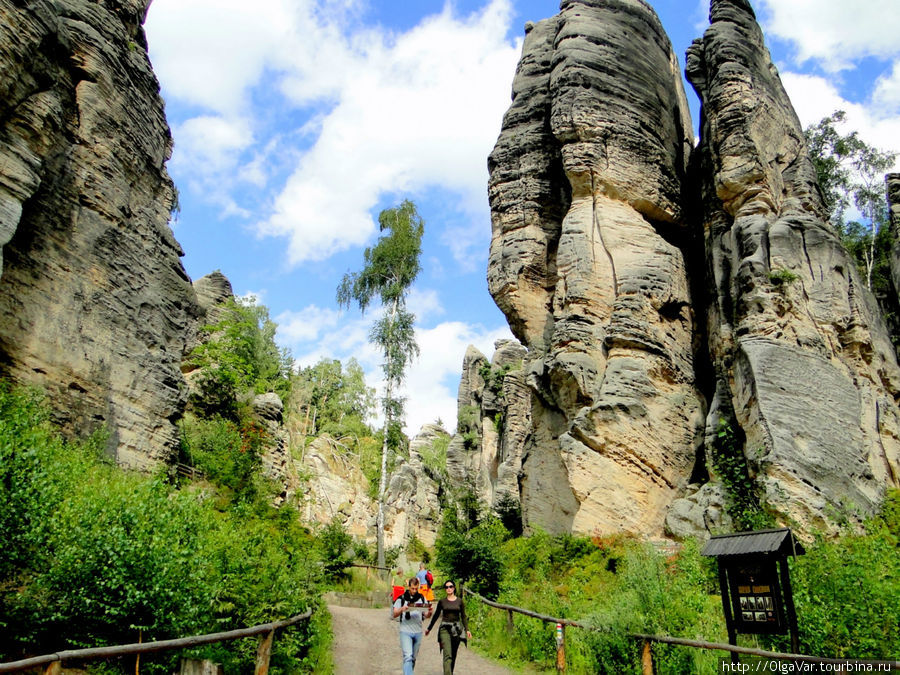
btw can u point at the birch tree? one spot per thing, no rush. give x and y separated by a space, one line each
851 172
390 268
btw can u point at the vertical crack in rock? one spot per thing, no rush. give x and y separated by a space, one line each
616 415
598 230
812 377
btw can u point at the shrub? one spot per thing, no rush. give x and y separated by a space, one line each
336 547
781 277
834 576
509 511
92 555
742 500
228 453
472 555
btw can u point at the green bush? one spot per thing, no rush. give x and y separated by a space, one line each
781 277
228 453
94 556
336 548
847 591
472 555
239 355
572 577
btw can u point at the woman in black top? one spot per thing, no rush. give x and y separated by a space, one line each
454 626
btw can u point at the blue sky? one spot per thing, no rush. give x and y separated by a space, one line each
297 121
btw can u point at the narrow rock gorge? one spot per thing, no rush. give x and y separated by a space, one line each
95 302
668 296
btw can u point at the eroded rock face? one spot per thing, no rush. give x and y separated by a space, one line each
587 262
494 402
336 490
412 500
802 361
892 182
94 300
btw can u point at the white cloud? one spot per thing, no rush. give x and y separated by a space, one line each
424 304
434 377
212 141
391 113
835 32
307 325
209 52
468 242
422 110
815 98
887 92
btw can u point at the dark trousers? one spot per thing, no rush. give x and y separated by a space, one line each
449 647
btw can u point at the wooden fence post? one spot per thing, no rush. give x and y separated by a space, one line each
264 653
646 659
137 657
54 668
510 626
560 648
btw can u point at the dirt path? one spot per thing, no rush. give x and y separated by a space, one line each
366 643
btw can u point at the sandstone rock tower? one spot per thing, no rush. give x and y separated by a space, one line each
802 361
587 262
664 292
94 301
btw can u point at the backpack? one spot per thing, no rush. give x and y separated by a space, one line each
429 578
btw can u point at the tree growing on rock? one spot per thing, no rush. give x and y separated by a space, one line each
391 267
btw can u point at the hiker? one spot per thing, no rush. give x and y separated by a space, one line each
409 608
422 575
454 626
426 579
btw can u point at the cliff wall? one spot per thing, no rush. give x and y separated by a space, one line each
588 263
94 300
669 296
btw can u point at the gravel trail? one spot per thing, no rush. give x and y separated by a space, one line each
366 643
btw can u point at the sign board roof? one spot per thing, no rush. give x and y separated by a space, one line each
764 542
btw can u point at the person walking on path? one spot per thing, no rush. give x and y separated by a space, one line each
409 608
454 626
422 574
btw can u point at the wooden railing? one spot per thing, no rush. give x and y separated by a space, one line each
646 641
267 631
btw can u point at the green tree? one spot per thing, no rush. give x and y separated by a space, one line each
390 268
332 397
850 171
239 355
472 554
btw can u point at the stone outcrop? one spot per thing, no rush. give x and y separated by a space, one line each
95 303
611 233
338 491
494 424
588 262
802 363
413 497
892 182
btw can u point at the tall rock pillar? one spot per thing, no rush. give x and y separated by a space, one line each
94 302
587 262
803 363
